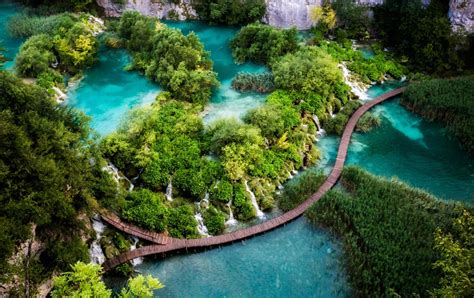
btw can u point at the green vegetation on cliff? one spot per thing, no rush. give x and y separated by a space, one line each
230 12
450 101
388 230
50 174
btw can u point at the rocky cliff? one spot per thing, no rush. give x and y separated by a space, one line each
158 8
461 14
280 13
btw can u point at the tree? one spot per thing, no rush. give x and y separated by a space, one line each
83 281
141 287
324 17
457 258
263 43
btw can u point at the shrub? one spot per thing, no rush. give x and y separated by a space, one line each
146 209
215 221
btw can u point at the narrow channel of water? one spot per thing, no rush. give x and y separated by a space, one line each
10 44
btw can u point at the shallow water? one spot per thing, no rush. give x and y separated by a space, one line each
107 92
416 151
10 44
296 260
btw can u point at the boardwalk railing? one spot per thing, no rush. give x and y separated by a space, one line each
168 244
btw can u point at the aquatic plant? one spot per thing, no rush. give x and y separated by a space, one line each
259 82
450 101
388 231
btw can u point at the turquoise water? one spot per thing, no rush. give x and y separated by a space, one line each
418 152
225 101
296 260
8 43
107 92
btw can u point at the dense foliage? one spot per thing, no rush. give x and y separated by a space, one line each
178 63
230 12
421 35
85 281
457 258
47 179
353 18
367 70
64 43
388 233
450 101
263 43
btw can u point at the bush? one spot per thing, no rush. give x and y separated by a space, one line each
222 192
181 222
311 70
243 205
35 56
337 124
263 43
146 209
215 221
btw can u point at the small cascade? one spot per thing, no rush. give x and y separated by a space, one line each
59 94
403 79
112 170
202 229
331 113
320 132
358 89
95 251
259 212
136 261
169 191
231 221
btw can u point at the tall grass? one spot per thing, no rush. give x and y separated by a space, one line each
387 228
450 101
23 25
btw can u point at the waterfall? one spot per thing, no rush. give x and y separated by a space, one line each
95 251
321 132
231 221
358 89
331 113
169 191
259 212
202 229
136 261
403 79
112 170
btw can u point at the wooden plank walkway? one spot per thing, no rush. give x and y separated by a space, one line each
167 244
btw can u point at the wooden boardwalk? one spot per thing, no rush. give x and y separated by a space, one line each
168 244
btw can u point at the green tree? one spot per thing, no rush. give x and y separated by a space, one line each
263 43
83 281
230 12
141 287
457 258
